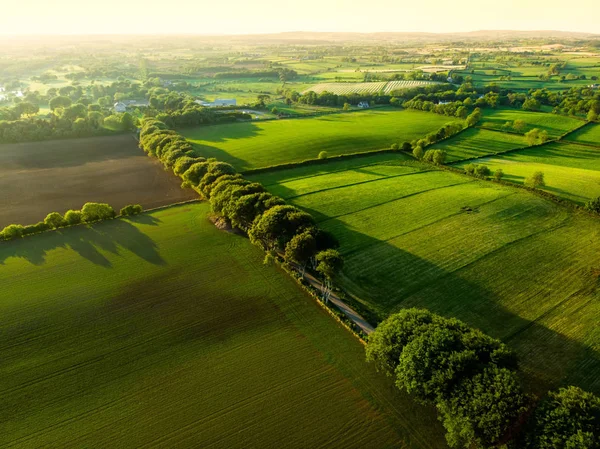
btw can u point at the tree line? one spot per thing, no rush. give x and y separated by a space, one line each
89 213
270 223
471 379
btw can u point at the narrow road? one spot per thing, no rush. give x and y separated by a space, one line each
365 326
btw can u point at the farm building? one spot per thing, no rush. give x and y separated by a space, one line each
363 105
217 103
594 86
123 105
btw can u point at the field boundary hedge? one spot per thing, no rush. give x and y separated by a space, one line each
44 226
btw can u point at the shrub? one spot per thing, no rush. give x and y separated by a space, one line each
482 171
406 146
55 220
323 155
36 228
498 174
91 212
131 209
73 217
418 152
439 156
12 231
593 205
395 146
536 180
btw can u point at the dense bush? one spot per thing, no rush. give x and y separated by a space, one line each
131 209
91 212
568 419
54 220
465 373
73 217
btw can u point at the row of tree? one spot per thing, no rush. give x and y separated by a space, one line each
89 213
271 224
471 378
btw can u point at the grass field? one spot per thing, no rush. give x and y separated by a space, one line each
37 178
259 144
508 262
571 171
165 332
589 135
475 142
555 125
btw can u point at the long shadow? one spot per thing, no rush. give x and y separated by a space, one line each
222 133
383 278
67 153
114 236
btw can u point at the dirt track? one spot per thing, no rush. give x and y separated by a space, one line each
41 177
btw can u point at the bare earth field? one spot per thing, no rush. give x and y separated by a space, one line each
37 178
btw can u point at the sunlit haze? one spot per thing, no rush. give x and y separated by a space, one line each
270 16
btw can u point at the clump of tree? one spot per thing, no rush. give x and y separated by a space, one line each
436 157
593 205
536 180
567 418
479 170
536 136
131 209
469 376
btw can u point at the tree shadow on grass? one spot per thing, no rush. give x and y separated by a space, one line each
114 236
149 220
384 279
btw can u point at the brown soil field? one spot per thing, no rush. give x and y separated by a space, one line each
37 178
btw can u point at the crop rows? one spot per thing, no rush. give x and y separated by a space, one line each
365 88
171 327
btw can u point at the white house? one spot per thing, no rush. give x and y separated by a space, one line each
363 105
594 86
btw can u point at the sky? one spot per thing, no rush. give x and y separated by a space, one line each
273 16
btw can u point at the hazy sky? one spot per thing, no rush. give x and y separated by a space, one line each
268 16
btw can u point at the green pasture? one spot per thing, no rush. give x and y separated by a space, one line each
475 142
555 125
588 135
162 331
571 171
259 144
508 262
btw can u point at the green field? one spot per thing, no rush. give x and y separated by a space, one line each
475 142
165 332
508 262
555 125
571 171
260 144
589 135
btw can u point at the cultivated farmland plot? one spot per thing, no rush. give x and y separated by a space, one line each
162 331
506 261
366 88
54 176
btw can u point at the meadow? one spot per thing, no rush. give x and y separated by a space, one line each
37 178
555 125
508 262
475 142
588 135
260 144
571 171
162 331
